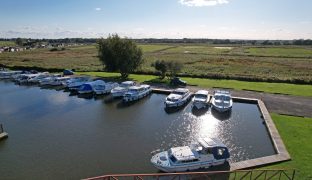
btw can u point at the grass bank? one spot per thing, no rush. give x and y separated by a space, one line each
282 88
296 134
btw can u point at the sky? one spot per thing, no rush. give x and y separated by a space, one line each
223 19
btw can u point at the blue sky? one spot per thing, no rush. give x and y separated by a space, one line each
231 19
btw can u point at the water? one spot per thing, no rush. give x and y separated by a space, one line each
53 135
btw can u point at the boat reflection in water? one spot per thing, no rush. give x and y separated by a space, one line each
222 116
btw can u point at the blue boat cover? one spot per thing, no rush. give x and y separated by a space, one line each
85 87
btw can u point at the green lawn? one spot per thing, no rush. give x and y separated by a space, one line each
284 88
7 43
296 133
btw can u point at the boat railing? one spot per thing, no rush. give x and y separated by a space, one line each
265 174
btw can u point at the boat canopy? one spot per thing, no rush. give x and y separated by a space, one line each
202 92
89 85
218 149
180 91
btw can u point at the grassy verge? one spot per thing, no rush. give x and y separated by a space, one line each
296 134
283 88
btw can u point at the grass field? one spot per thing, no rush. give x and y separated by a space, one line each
7 43
296 134
283 88
282 63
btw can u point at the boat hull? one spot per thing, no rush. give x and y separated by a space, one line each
179 103
189 167
136 97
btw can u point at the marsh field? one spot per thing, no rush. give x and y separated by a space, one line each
285 63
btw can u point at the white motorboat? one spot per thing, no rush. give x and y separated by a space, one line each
178 97
58 81
105 89
49 80
120 90
9 74
222 101
24 78
201 99
88 87
76 82
41 76
205 153
137 92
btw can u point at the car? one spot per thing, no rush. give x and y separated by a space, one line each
176 81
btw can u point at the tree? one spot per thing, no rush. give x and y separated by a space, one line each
161 67
19 41
119 54
174 67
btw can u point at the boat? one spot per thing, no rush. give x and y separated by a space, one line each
205 153
9 74
222 101
24 78
122 89
201 99
76 82
58 81
88 87
41 76
105 89
178 97
49 80
137 92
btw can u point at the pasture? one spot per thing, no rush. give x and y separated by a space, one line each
284 63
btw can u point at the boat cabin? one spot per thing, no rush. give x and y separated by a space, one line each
182 155
180 91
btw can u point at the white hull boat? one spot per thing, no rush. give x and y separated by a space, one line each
178 98
201 99
137 92
105 89
120 90
205 153
76 82
88 87
222 101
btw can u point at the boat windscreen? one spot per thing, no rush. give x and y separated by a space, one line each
172 158
200 96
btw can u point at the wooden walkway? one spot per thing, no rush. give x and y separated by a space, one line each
282 154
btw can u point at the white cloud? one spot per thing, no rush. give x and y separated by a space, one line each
200 3
98 9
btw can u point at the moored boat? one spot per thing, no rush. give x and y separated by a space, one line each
205 153
76 82
137 92
88 87
222 101
201 99
178 97
120 90
105 89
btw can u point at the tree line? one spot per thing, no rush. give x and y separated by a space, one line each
30 42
